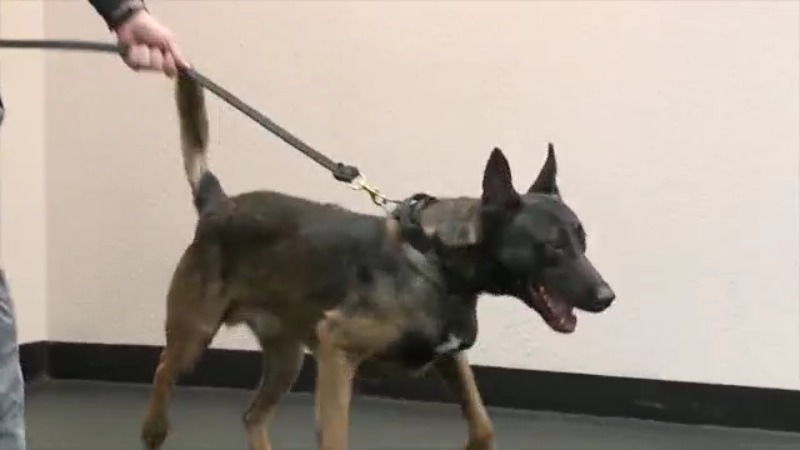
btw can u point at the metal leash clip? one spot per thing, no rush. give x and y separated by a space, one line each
360 183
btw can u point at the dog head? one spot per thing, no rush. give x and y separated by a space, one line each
531 246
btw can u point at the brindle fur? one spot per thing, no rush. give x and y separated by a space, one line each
306 275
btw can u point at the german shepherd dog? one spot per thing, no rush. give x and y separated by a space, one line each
353 290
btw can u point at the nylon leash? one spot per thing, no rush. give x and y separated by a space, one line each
340 171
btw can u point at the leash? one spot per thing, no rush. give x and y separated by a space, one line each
340 171
406 211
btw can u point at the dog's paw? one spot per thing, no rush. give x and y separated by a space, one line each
483 442
472 445
154 432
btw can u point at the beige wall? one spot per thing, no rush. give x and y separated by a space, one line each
22 163
676 125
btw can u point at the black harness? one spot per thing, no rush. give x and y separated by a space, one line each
407 213
425 257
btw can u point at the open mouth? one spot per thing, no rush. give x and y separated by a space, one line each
557 312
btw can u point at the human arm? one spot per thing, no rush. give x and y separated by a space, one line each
116 12
151 45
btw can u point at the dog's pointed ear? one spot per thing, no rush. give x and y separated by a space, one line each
498 189
546 181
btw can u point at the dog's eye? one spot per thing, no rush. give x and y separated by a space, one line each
560 241
553 255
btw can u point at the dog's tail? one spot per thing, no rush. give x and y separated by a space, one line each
190 99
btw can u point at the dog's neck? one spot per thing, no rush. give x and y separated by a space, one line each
468 271
448 232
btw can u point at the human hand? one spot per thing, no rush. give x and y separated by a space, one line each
150 45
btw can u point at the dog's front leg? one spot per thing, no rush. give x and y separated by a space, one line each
336 369
457 374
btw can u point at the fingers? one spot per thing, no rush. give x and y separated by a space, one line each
138 57
142 57
170 66
151 45
156 60
177 55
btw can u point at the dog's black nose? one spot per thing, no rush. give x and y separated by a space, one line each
604 295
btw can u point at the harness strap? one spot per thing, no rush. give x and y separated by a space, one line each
340 171
422 253
407 214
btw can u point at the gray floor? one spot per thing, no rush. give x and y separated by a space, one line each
93 416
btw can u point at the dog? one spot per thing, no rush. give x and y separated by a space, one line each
362 293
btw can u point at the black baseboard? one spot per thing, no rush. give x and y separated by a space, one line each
33 359
668 401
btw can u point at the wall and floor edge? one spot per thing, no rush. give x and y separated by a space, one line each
667 401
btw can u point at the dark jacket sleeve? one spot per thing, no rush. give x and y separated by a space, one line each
115 12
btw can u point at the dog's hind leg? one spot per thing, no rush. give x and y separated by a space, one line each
195 311
457 374
282 361
179 355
